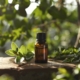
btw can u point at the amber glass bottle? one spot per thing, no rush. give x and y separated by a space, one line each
41 48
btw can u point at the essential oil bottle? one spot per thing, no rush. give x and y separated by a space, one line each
41 48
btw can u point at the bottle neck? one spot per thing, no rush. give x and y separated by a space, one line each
41 41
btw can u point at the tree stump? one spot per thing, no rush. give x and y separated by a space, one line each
31 70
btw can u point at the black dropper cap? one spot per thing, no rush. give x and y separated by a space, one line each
41 37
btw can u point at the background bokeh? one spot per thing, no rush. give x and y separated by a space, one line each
19 23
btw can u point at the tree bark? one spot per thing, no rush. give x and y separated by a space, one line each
78 36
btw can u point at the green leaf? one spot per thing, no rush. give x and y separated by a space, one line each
36 1
22 12
10 52
22 50
72 16
24 3
63 13
29 56
14 46
15 1
46 6
3 2
18 59
62 70
10 12
53 11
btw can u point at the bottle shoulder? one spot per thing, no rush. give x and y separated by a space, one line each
41 45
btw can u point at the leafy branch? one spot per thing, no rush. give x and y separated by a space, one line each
71 55
19 53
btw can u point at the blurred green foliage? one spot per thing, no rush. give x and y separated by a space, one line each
64 74
49 16
6 77
70 55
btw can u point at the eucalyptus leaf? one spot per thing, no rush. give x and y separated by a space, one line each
10 52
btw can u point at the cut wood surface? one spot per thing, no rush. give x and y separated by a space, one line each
8 62
31 70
